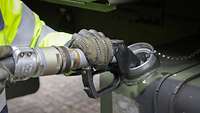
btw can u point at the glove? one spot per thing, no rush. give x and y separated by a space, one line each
95 45
5 51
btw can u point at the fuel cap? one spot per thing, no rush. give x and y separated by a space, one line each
148 60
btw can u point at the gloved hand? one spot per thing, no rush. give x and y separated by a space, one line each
95 45
5 51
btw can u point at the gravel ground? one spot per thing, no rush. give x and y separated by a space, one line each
57 94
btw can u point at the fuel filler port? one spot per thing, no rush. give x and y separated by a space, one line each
148 63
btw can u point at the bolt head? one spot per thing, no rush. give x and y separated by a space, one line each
21 54
29 54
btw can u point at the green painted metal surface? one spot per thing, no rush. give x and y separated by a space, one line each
106 105
120 24
85 4
129 92
84 0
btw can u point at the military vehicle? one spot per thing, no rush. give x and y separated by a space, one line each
171 26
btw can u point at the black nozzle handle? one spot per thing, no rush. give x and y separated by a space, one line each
89 87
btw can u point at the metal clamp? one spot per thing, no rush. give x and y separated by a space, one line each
27 63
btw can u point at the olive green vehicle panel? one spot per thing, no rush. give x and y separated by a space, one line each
127 94
85 4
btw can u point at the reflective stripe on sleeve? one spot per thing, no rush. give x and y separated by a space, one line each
45 30
1 21
2 100
55 39
50 37
33 32
26 28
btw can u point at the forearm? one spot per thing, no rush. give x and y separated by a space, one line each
22 27
45 36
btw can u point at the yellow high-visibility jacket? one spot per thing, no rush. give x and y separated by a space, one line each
22 27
